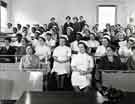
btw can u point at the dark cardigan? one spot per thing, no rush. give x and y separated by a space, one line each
105 64
131 63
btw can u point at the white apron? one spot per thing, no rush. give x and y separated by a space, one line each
82 62
61 68
80 80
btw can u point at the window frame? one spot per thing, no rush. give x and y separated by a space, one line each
106 6
3 4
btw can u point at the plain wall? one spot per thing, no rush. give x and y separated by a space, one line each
40 11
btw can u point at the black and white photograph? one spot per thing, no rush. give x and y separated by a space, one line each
67 51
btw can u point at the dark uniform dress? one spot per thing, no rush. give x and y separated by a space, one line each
7 51
105 64
76 27
67 25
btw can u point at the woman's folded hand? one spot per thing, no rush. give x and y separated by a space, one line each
83 72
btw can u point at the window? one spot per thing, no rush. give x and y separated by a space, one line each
106 14
3 16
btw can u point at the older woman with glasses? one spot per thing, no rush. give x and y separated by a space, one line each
110 61
126 50
30 63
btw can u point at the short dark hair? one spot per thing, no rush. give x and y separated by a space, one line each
91 33
24 27
53 18
42 38
75 18
45 24
18 35
49 34
19 25
33 28
63 38
9 39
87 30
81 17
68 17
10 23
14 28
28 25
85 46
31 48
112 47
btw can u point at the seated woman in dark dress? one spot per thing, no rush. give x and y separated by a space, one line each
123 62
109 61
7 52
131 60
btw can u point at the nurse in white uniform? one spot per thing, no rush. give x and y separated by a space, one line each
61 66
82 65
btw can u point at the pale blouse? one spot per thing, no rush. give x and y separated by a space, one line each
42 51
29 62
92 44
125 51
51 43
101 51
74 46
